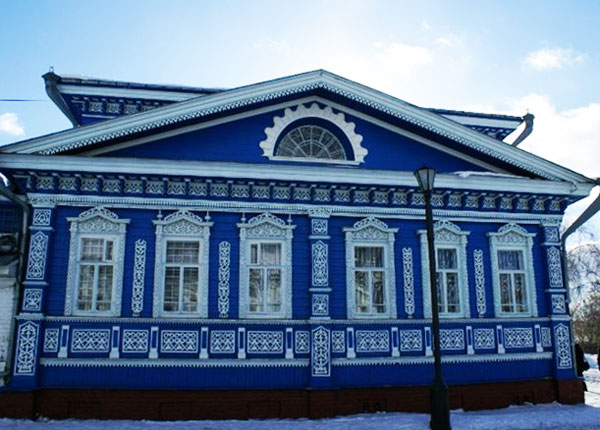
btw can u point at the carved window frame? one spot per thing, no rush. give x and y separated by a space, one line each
371 232
96 223
447 235
181 226
512 237
265 228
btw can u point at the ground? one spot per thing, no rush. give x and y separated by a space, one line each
529 417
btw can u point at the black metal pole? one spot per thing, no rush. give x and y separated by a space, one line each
440 408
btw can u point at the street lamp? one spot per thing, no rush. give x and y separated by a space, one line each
440 410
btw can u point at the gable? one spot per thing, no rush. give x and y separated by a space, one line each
254 138
418 121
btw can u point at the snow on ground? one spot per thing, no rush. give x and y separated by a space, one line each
529 417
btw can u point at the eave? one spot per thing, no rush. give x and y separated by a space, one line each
333 175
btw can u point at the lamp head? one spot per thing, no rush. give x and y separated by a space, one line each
425 177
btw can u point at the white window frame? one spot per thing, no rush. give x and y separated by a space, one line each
512 237
95 223
265 228
181 226
447 235
371 232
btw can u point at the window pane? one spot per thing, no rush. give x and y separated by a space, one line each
171 298
440 291
368 256
362 291
510 260
92 249
274 290
104 292
271 254
520 293
86 287
505 293
446 258
190 289
108 254
254 254
452 292
378 292
256 290
183 252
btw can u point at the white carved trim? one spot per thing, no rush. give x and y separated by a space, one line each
513 237
139 270
479 282
181 225
314 111
409 281
447 235
224 264
367 232
101 223
266 227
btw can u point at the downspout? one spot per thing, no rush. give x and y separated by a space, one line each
591 210
9 194
528 118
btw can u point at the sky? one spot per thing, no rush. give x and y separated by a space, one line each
510 57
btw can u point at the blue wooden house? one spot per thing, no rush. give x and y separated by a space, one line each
261 251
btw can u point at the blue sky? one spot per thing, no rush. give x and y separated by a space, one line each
503 56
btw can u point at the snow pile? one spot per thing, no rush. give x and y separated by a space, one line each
467 174
592 360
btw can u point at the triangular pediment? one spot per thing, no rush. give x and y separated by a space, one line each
429 129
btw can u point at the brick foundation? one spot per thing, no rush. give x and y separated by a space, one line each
176 405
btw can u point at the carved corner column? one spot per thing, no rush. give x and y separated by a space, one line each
30 314
320 290
556 302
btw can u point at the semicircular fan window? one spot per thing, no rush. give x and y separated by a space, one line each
311 141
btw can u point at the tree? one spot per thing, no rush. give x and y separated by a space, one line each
584 281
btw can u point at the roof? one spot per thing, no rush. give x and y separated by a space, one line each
223 102
76 95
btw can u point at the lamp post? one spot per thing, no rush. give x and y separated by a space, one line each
439 405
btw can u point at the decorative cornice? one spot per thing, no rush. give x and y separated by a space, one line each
280 172
449 359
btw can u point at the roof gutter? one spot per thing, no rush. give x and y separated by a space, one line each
52 79
528 118
21 202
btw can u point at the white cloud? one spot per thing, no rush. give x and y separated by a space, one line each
403 59
553 58
9 124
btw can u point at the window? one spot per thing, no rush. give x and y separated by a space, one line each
447 280
182 276
452 284
315 134
181 271
512 270
96 269
371 285
311 141
96 256
369 279
265 267
511 273
265 278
